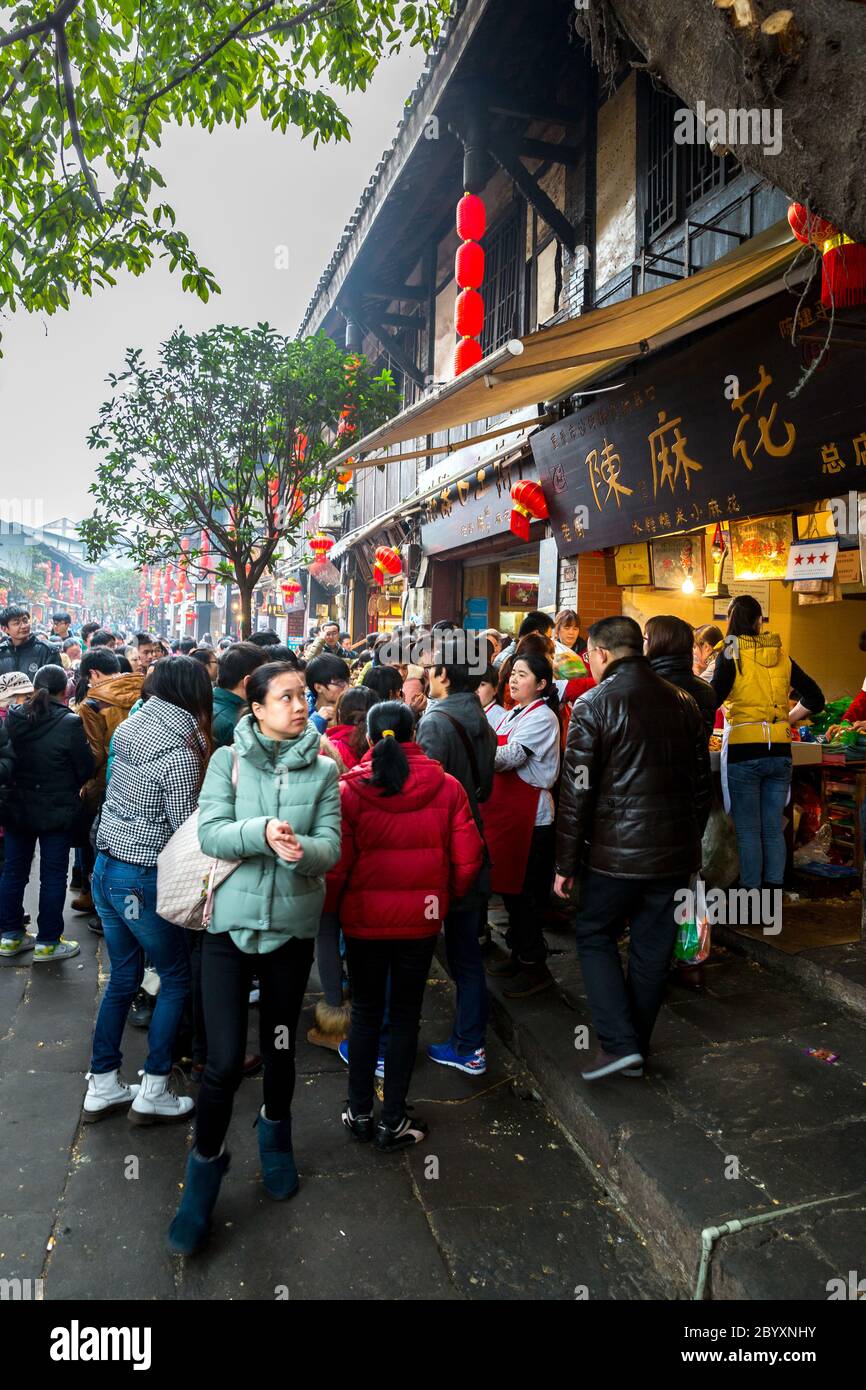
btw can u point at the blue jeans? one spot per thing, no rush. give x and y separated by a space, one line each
466 968
759 789
53 872
125 897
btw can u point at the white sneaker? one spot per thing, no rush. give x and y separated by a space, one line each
105 1094
156 1103
56 950
14 945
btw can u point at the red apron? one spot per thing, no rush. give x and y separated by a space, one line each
508 817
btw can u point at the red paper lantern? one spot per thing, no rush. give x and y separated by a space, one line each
378 574
468 353
528 503
469 314
291 588
808 226
321 545
469 265
389 560
471 217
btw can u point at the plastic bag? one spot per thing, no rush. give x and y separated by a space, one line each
692 945
817 851
830 714
720 859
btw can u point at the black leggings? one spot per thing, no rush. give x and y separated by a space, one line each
526 909
370 961
226 972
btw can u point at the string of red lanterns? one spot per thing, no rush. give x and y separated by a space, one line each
469 274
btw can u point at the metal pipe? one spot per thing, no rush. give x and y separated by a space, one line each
711 1234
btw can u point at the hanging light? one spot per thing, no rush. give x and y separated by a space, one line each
843 260
321 545
469 274
388 560
528 503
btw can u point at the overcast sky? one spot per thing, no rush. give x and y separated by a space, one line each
240 195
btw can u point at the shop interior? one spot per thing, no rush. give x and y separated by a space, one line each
499 593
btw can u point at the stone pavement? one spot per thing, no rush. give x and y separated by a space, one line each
497 1204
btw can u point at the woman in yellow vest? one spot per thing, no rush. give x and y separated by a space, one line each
754 679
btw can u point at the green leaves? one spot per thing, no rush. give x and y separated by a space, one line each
136 68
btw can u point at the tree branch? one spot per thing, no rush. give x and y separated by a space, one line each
74 130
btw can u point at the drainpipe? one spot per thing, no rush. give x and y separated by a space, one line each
711 1234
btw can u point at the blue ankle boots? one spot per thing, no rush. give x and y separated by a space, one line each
189 1229
279 1173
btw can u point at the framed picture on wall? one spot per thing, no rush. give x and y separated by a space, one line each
676 559
760 547
519 595
632 564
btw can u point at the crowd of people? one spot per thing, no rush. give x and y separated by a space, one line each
362 802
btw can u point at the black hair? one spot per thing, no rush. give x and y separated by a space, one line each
264 639
13 611
87 629
542 671
49 684
325 668
101 637
186 645
535 622
144 639
123 663
444 625
283 653
330 622
202 655
459 678
183 682
260 680
61 617
238 662
668 635
744 614
616 635
390 766
490 676
352 708
70 642
95 659
384 681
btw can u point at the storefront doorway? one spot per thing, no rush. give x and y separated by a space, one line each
499 593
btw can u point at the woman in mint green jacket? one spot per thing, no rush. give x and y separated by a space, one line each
278 813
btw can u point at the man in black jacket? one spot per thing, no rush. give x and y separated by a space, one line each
457 734
633 805
21 651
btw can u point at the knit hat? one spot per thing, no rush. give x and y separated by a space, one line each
14 683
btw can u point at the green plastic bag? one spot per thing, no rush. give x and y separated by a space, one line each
692 945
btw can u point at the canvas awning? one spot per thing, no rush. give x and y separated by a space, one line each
556 361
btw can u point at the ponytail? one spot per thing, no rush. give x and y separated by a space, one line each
49 684
390 724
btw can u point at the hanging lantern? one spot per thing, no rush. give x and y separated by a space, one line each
321 545
388 560
69 588
528 503
4 597
291 588
347 423
157 586
469 265
168 582
468 353
58 580
471 217
378 574
469 314
843 260
79 590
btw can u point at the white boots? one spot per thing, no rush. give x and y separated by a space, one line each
156 1104
105 1094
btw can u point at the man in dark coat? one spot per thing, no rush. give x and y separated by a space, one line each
457 734
634 801
21 650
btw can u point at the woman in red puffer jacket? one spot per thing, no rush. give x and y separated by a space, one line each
410 845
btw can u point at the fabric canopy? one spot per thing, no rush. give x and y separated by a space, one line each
556 361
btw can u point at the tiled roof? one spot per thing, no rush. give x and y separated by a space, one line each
415 96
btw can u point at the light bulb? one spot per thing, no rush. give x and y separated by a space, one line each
688 585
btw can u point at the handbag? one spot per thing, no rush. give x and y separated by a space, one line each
186 877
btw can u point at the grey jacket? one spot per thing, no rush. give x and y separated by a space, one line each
440 740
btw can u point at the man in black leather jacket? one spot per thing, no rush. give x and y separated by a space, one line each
634 801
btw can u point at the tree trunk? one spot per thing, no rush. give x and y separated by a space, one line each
245 589
815 80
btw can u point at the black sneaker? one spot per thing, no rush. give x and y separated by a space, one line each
502 967
362 1126
402 1136
95 926
531 979
141 1011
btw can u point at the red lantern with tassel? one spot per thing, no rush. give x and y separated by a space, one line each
528 504
469 265
168 583
378 574
291 588
388 560
843 260
321 545
468 353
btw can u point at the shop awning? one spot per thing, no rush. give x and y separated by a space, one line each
556 361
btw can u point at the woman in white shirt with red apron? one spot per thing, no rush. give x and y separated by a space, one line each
519 821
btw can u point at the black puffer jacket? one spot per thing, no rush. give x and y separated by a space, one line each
640 747
7 757
29 657
52 762
678 670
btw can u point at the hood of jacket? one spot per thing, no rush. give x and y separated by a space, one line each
120 691
424 781
765 650
265 753
227 700
23 730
